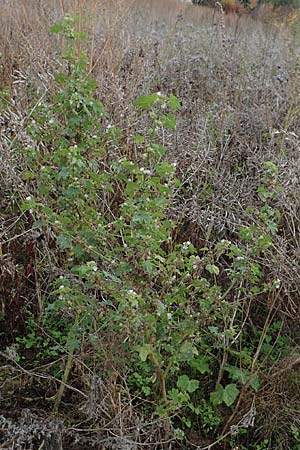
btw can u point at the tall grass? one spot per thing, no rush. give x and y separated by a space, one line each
238 81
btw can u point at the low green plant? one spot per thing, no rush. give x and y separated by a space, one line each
179 309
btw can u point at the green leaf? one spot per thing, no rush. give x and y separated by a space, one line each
237 374
64 242
185 384
147 266
56 28
200 364
168 121
139 139
216 397
230 394
211 268
187 352
164 169
174 103
144 351
131 188
145 102
73 344
255 383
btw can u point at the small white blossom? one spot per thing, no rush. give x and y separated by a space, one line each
61 287
145 171
131 292
186 245
28 198
277 283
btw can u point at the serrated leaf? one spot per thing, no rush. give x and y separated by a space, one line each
56 28
64 242
164 169
216 397
230 394
174 103
145 102
185 384
255 383
211 268
237 374
187 351
193 386
139 139
168 121
200 364
147 266
144 351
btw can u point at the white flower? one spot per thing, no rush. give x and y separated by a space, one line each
61 287
131 292
277 283
145 171
159 93
28 198
169 315
185 245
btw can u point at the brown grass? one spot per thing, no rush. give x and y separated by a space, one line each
238 80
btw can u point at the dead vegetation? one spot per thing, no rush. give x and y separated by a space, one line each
238 81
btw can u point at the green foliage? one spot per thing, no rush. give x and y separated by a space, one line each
122 271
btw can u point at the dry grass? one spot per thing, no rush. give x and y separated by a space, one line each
239 83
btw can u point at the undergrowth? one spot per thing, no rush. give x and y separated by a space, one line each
148 340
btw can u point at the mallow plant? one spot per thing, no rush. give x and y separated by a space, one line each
120 267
